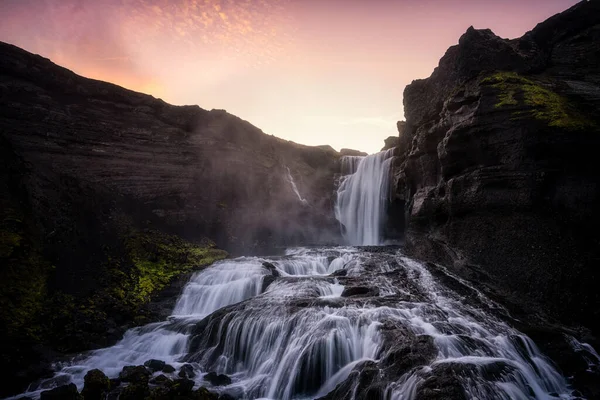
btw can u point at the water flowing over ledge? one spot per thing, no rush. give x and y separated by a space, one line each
362 197
334 323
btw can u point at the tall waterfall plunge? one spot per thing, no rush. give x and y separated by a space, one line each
362 197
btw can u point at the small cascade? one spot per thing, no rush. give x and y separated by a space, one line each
341 321
362 197
294 187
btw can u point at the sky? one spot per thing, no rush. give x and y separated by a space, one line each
311 71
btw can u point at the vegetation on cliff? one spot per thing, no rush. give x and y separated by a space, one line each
546 105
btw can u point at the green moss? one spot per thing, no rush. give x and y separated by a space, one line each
544 104
159 258
8 242
22 300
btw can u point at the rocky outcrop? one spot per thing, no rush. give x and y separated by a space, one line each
110 198
497 171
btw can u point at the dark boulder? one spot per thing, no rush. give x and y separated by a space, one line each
267 280
186 371
168 369
363 291
217 380
272 268
339 272
65 392
96 385
155 365
135 391
161 380
182 386
135 374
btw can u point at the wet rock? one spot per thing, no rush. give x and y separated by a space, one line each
339 272
226 396
363 383
271 267
168 369
135 391
363 291
204 394
96 385
182 386
403 351
217 380
135 374
161 380
186 371
65 392
155 365
267 280
443 384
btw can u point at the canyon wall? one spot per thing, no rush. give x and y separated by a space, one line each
496 173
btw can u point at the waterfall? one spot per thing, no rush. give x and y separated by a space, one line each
362 197
294 187
340 320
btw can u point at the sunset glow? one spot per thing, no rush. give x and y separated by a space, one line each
312 71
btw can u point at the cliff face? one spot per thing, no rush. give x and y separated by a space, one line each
110 197
497 169
204 173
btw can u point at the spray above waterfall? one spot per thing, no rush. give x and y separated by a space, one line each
362 197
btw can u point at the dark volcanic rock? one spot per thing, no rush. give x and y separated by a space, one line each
66 392
390 143
167 369
155 365
96 385
360 291
186 371
498 178
217 380
161 380
135 374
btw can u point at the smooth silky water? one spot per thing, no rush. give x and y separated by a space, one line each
281 328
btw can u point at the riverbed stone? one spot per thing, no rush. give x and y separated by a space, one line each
135 374
155 365
96 385
65 392
217 380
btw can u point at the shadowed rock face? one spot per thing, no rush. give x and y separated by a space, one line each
203 173
497 170
110 198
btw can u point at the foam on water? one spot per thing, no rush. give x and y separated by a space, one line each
299 339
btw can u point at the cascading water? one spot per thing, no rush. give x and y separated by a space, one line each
362 197
337 321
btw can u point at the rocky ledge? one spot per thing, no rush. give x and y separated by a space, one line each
496 173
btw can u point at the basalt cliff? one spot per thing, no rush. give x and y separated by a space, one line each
110 198
496 172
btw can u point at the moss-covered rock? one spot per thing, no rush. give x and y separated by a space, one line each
158 258
96 385
543 103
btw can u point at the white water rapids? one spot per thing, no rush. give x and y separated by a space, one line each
338 323
299 339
